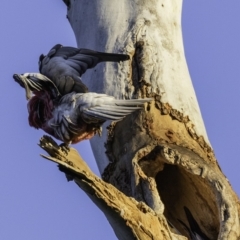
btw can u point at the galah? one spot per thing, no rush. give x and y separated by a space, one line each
72 117
65 66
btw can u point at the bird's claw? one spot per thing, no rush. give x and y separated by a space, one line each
65 147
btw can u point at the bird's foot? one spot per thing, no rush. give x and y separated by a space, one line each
65 147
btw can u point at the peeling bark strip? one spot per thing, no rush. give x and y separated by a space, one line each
161 157
166 109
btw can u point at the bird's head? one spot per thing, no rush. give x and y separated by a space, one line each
36 82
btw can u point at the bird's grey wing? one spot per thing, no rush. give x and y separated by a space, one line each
65 66
100 107
78 59
66 61
83 59
81 62
54 50
87 58
65 52
73 53
44 60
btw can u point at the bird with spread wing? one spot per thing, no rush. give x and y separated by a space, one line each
72 117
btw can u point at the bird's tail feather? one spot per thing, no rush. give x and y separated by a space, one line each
115 110
105 57
132 102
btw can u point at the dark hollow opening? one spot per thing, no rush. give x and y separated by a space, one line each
178 188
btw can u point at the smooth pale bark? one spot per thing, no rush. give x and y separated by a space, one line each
120 26
160 156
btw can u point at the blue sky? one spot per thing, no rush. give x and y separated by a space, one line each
36 201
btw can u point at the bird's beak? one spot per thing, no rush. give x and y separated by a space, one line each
22 81
18 79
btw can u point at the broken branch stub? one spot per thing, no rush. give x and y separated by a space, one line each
132 219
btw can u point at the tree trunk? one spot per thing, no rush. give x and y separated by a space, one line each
160 156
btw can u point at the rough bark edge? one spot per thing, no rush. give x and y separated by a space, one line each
228 212
132 219
193 161
226 202
166 109
143 73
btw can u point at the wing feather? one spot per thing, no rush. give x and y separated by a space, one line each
104 107
99 116
116 108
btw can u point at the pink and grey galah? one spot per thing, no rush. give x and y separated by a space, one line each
60 104
72 117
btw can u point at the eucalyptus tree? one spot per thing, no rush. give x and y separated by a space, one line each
158 161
